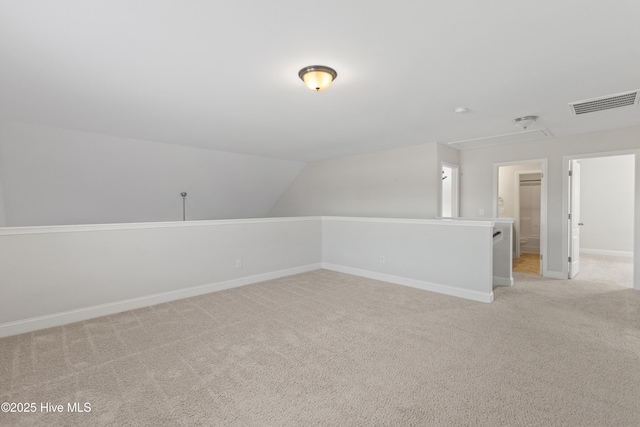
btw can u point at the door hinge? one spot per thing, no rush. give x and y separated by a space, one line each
541 257
570 173
569 259
569 216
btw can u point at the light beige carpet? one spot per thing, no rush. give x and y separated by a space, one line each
606 269
329 349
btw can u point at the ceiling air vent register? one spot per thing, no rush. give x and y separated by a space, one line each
605 102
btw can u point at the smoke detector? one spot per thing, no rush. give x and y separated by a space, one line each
605 102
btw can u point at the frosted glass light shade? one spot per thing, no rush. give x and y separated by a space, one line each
317 77
317 80
525 122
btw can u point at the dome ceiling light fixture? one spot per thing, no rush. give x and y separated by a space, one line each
317 77
525 122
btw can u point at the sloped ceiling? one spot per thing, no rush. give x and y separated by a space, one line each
223 74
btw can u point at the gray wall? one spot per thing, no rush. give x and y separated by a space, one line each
606 203
478 170
426 254
401 183
56 176
57 275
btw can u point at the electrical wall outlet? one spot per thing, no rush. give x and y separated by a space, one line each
238 263
382 260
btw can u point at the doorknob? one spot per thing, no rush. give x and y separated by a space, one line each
581 223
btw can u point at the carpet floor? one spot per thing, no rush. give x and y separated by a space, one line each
606 268
330 349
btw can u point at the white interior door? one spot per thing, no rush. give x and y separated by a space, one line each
450 190
574 219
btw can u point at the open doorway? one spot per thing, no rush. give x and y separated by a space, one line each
520 193
600 218
450 190
528 204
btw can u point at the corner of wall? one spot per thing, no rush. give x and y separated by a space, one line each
399 182
448 154
284 204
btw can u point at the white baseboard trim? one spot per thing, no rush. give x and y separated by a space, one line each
605 252
502 281
555 275
66 317
427 286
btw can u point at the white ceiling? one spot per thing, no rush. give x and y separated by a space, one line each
224 74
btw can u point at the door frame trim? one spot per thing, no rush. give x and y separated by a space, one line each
455 187
544 167
571 221
565 208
